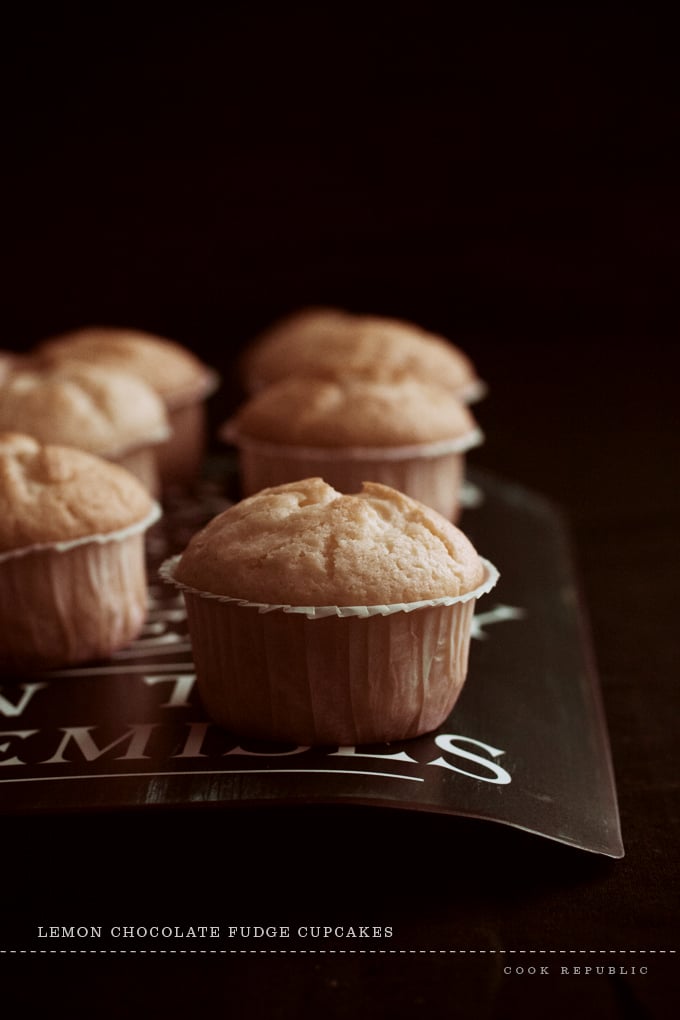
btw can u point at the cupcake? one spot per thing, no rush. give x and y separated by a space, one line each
408 434
109 413
72 567
181 380
322 618
331 343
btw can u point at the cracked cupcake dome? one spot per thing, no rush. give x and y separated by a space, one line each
322 617
305 543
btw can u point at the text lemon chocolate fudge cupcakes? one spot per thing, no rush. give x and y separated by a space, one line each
72 566
322 618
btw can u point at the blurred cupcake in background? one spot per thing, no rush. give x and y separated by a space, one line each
109 413
179 378
408 434
330 343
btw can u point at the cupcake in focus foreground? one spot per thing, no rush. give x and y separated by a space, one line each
179 378
324 618
72 566
408 434
331 343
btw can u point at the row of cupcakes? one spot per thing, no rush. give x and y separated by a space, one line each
317 614
347 397
95 425
315 617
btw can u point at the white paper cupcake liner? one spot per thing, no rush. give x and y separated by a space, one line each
434 448
167 572
99 539
329 674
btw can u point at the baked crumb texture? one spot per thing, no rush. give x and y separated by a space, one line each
304 543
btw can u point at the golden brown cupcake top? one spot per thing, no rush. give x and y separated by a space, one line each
332 343
59 494
351 411
96 409
174 372
305 544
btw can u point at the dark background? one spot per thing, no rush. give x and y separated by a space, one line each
505 178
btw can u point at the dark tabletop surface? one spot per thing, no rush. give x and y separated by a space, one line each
510 182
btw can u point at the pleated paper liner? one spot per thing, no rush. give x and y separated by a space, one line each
431 472
67 602
329 674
